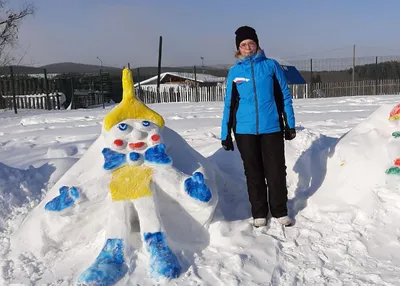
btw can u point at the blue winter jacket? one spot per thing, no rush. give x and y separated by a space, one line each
257 99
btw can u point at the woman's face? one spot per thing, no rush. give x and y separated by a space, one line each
247 47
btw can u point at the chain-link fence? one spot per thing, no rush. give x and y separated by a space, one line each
335 76
331 77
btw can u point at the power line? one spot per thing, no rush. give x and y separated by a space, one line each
320 51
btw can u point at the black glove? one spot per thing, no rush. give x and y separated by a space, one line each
290 133
227 143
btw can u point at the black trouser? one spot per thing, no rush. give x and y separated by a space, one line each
264 158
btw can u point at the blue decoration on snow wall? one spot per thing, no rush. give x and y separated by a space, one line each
66 199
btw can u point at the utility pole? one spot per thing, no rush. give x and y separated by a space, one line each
354 70
195 82
311 80
46 82
13 89
101 81
159 69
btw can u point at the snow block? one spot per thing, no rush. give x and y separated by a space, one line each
157 155
109 266
195 187
66 199
163 262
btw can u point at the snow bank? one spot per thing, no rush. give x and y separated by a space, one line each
358 165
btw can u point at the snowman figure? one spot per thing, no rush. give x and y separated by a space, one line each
393 147
135 156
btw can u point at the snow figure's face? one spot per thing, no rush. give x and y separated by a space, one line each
133 135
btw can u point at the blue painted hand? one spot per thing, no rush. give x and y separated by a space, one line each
196 188
66 199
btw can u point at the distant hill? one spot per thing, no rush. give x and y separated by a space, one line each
78 68
384 70
144 72
20 69
60 68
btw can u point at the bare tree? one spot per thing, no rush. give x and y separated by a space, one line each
10 21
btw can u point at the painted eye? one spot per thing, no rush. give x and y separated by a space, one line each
122 126
146 123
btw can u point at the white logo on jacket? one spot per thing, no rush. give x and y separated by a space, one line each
241 79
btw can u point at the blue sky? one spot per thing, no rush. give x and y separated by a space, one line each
122 31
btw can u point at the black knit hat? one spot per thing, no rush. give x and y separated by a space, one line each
245 33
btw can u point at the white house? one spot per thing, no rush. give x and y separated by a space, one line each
178 79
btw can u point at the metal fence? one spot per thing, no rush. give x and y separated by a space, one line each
38 101
53 91
331 77
341 69
316 90
181 94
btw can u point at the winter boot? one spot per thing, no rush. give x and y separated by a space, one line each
285 220
257 222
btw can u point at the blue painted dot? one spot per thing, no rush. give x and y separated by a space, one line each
123 126
145 123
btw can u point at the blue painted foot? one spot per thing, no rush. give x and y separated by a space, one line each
157 155
163 262
66 199
195 187
109 266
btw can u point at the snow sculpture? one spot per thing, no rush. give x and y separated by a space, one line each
135 157
394 143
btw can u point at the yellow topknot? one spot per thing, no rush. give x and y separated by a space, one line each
130 107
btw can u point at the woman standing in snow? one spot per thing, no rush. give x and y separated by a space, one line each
258 109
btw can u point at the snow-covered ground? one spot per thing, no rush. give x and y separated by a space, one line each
347 210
